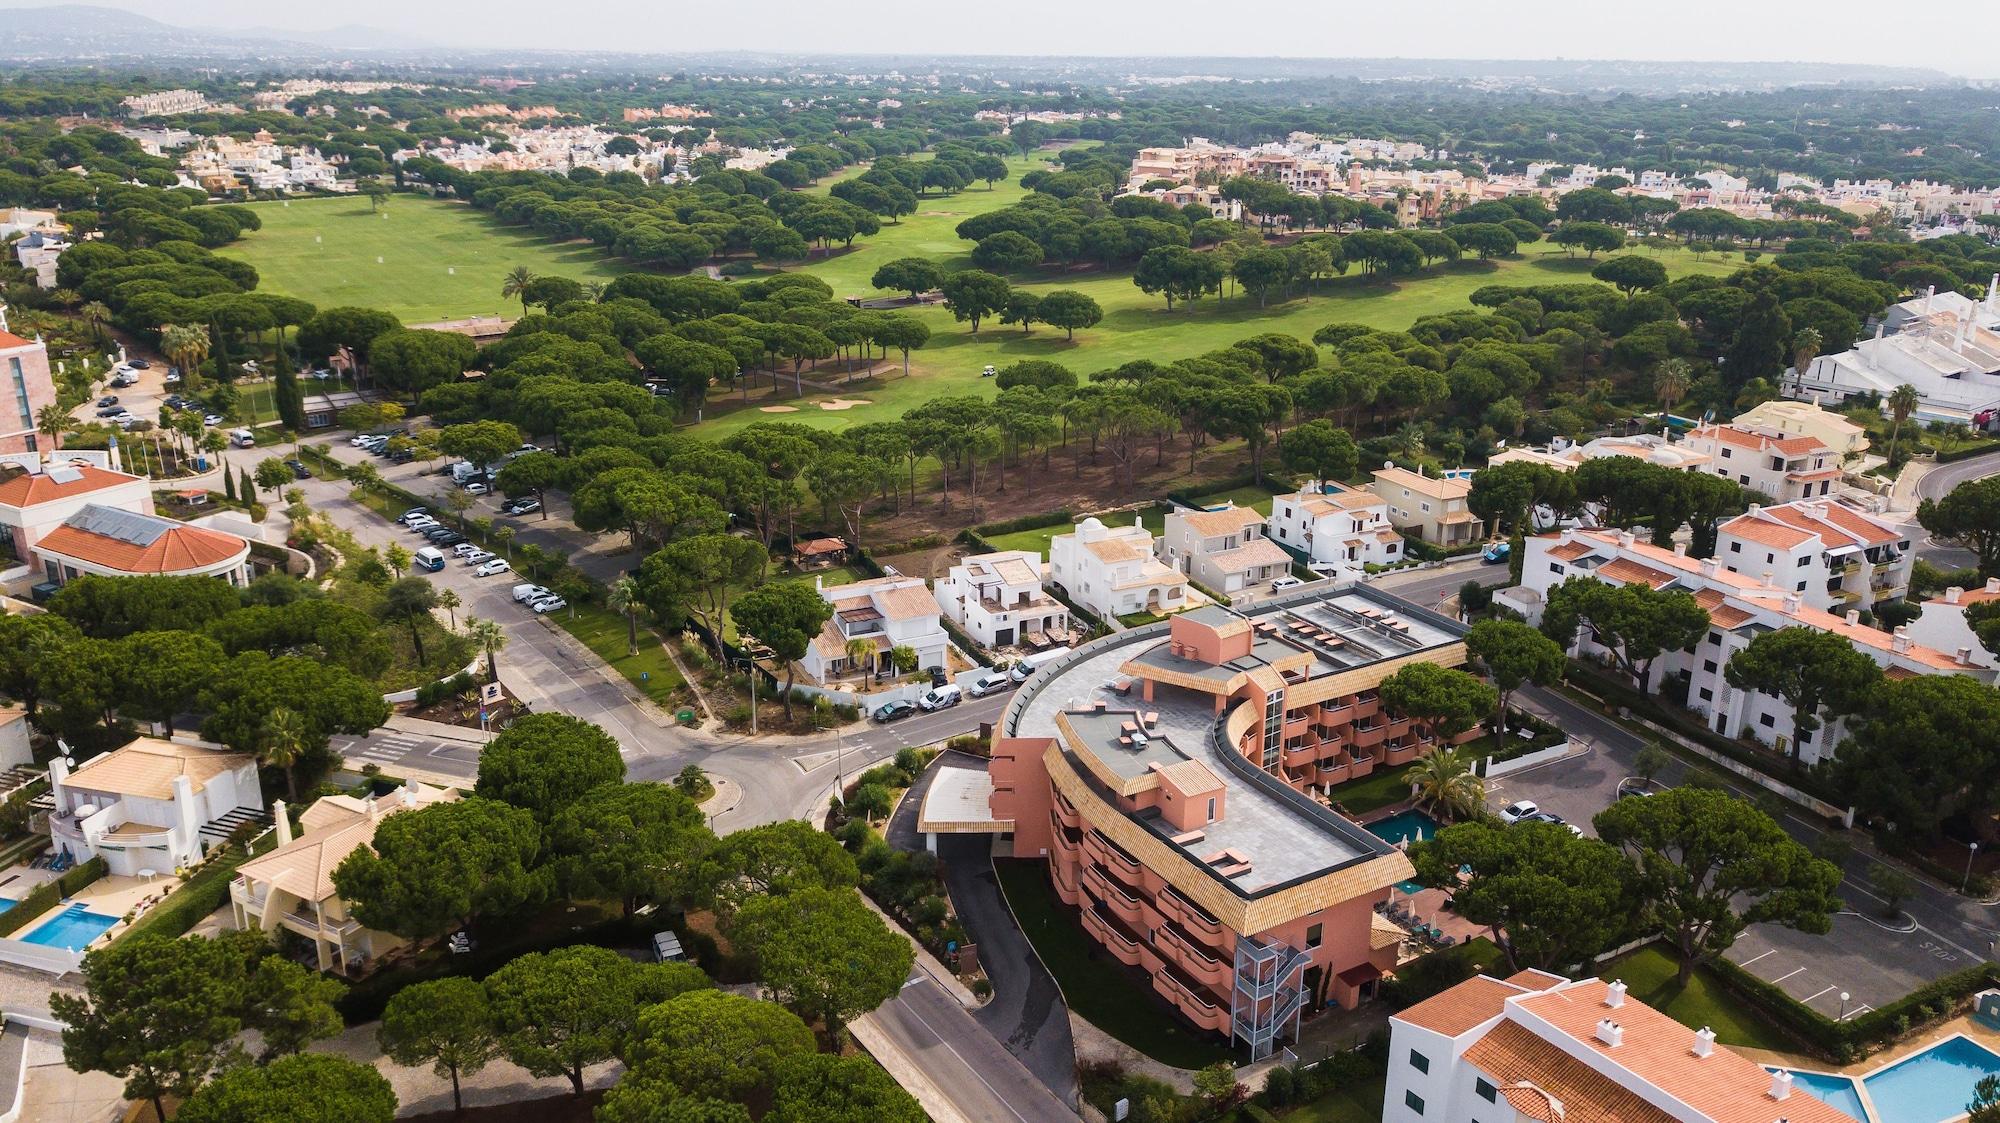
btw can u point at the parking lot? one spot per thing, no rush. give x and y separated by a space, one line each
1866 956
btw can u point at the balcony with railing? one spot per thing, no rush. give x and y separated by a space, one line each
1109 854
1191 999
1368 736
1065 811
1181 948
1197 921
1122 903
1123 945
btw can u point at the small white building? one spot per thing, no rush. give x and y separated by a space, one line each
1807 419
997 599
1435 509
152 805
1224 549
884 613
109 542
1340 528
1781 466
1111 571
1943 345
1944 627
34 504
1832 555
15 749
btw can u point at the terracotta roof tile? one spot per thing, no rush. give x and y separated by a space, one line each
1629 571
9 341
1210 523
1537 1076
178 549
1569 551
1776 535
27 491
1259 552
1463 1007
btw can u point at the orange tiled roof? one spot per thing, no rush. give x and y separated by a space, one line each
1569 551
1721 613
27 491
9 341
1534 1072
1629 571
177 550
1770 534
1463 1007
1210 523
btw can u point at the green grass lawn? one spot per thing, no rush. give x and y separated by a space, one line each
1152 518
439 260
605 633
1359 1104
1095 986
1249 495
1135 326
1650 971
1379 788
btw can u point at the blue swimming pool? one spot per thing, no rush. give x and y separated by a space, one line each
1837 1092
73 928
1932 1086
1404 826
7 903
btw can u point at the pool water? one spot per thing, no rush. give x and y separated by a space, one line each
1932 1086
73 928
7 903
1837 1092
1404 826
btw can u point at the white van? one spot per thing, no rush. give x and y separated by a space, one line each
431 558
1036 662
941 697
242 438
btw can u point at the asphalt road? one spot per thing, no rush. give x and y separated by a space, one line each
982 1080
1426 587
1938 483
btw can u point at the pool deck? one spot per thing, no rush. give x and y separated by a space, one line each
1962 1026
111 895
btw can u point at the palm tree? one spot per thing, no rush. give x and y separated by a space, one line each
281 740
1805 348
858 650
1670 381
51 419
96 315
64 298
491 637
1442 781
622 597
1903 402
1410 440
449 601
188 346
516 283
593 291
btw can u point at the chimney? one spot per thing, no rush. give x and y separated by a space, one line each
1993 585
1614 994
1709 566
1781 1084
1569 534
1680 549
1626 539
1767 580
1755 510
1610 1033
1704 1041
1965 656
1854 616
1901 642
1952 594
1793 602
282 821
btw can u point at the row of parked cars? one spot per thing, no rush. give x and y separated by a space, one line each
378 444
538 598
947 695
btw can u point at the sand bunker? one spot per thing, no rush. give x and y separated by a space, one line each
844 403
777 409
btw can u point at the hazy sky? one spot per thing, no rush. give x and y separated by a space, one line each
1826 30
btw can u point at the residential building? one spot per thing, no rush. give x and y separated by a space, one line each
164 103
1944 346
1564 456
37 502
1337 530
997 599
1537 1046
39 252
109 542
152 805
1111 571
884 613
1807 419
1741 606
1429 507
26 386
1832 555
1767 461
1170 775
1943 625
15 749
1224 550
22 220
291 887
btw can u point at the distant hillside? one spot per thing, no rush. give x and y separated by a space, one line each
86 31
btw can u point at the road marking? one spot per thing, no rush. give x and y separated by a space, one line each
976 1075
1754 959
1856 1012
1786 975
1810 997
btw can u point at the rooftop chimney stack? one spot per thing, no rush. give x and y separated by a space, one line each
1781 1084
1793 602
1854 616
1901 641
1993 585
1610 1033
1709 567
1965 656
1704 1041
1626 539
1680 549
1952 594
1614 994
282 821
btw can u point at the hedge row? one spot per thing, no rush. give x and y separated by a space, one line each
1057 517
1187 496
49 894
1855 1037
1968 452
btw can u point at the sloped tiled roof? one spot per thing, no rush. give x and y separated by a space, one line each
1632 572
1463 1007
1752 528
9 341
1569 551
1544 1083
147 767
1211 523
1259 552
335 826
62 483
139 544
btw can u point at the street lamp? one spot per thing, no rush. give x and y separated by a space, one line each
1972 852
1843 1005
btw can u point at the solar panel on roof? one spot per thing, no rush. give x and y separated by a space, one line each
63 474
125 526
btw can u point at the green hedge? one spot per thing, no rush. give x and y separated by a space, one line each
1277 485
1968 452
49 894
1858 1035
1057 517
1425 551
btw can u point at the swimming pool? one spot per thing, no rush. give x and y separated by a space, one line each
1837 1092
7 903
1404 826
1932 1086
73 928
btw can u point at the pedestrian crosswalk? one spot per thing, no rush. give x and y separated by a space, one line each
383 748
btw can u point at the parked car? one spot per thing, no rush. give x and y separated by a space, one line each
122 416
941 697
322 374
213 419
1496 553
476 488
492 567
476 556
299 469
892 711
1634 787
522 507
464 549
110 411
1280 584
528 594
139 364
108 400
548 604
1558 820
992 682
173 378
1519 810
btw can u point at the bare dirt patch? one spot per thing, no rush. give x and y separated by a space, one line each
777 409
838 404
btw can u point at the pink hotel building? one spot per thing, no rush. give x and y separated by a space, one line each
1169 775
25 387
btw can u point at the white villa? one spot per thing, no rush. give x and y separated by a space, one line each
1832 555
1944 345
1943 624
1767 460
152 805
884 613
998 599
1340 528
1111 571
1223 549
292 886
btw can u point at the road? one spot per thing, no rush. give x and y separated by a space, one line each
1426 587
1937 483
981 1079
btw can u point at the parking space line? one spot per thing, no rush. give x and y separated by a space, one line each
1755 958
1857 1011
1815 995
1786 975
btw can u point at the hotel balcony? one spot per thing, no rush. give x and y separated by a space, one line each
1123 904
1367 704
1191 999
1065 811
1123 946
1185 952
1296 727
1109 855
1194 919
1367 737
